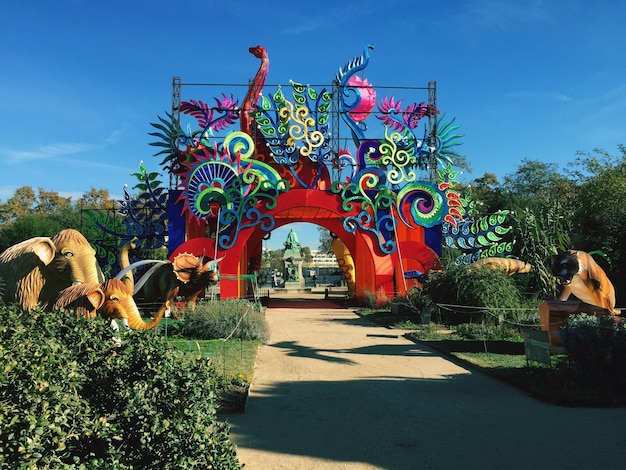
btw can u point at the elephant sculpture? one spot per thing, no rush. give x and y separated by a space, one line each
186 276
35 271
111 300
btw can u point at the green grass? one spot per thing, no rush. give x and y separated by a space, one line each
233 357
505 359
493 361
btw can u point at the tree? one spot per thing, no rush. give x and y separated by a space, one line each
600 209
487 193
272 261
19 205
96 199
306 252
29 226
51 202
535 180
326 238
541 231
29 214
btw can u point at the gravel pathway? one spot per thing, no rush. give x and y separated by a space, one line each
334 391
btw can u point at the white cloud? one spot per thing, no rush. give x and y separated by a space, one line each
44 152
114 136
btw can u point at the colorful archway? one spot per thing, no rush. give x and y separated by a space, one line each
385 198
373 170
376 272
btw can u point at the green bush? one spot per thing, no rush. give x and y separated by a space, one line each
418 299
595 347
465 294
230 318
488 332
71 400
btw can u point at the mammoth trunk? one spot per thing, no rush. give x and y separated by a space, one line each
119 304
137 323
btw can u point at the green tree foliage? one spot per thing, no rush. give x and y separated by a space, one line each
582 208
466 293
96 199
29 213
541 231
326 238
306 253
487 192
19 205
272 260
536 181
31 226
600 210
51 202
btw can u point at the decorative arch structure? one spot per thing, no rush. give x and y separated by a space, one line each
384 189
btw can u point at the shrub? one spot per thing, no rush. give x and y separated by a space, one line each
471 291
168 412
487 332
227 318
70 400
418 299
595 347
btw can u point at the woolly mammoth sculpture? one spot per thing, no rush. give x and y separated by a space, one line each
36 270
186 276
110 300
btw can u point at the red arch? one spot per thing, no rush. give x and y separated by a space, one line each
375 271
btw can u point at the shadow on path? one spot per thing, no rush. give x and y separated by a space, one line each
329 395
458 421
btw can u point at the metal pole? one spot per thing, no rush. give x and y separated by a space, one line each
334 143
174 144
432 136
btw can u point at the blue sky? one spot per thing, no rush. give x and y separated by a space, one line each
82 80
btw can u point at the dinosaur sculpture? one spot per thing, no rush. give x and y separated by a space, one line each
186 276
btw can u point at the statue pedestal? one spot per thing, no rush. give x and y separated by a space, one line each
295 285
554 314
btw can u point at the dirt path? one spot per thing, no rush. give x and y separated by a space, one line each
333 391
